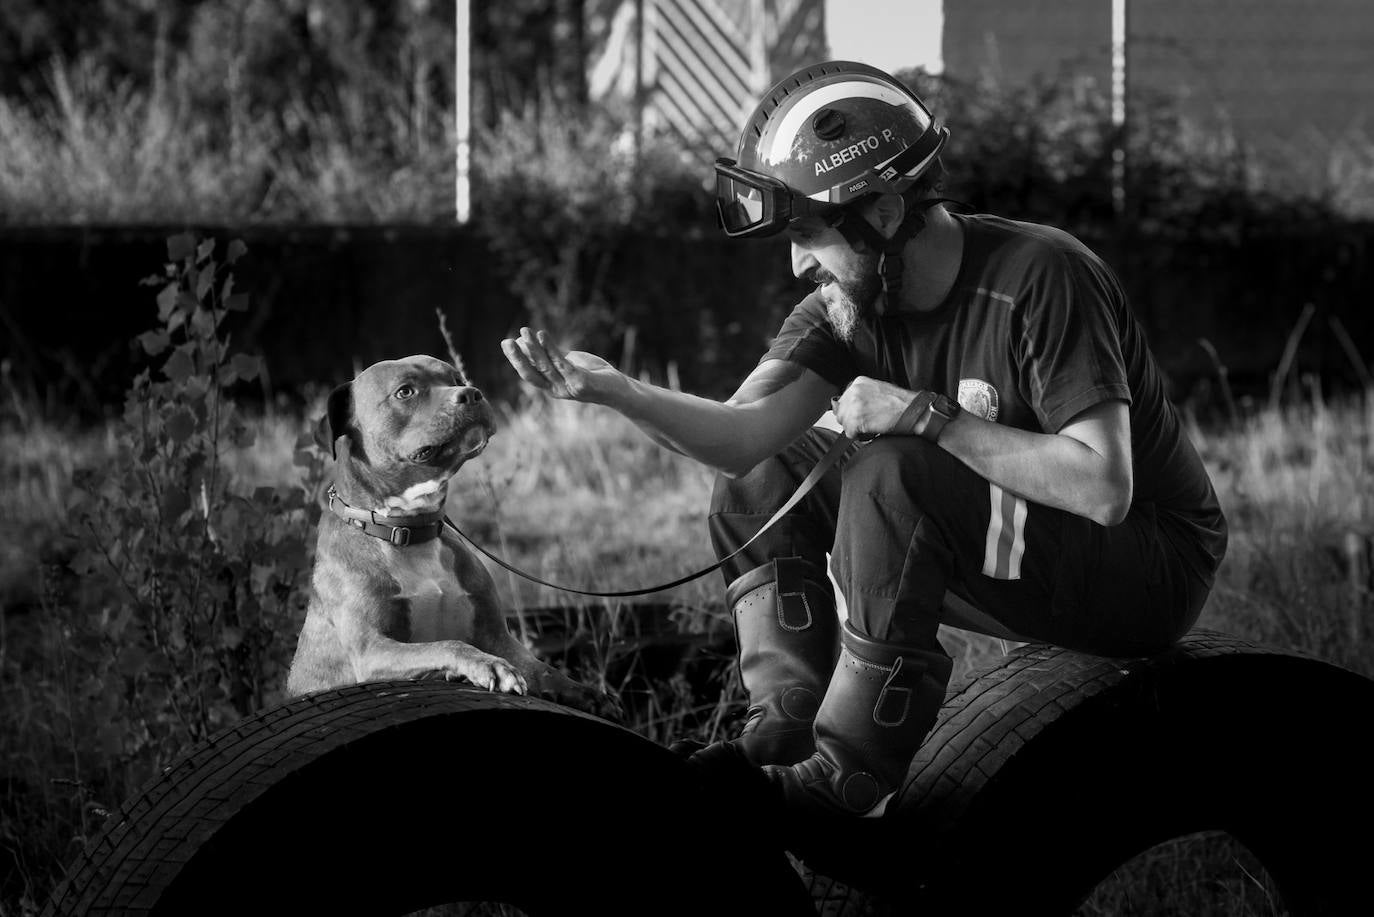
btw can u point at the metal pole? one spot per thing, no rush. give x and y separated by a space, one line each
462 109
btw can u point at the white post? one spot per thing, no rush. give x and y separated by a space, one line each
1119 88
462 109
758 53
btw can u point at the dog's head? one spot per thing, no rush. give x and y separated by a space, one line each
411 419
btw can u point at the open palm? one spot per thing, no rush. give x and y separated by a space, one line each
575 375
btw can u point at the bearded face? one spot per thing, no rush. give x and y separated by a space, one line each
849 291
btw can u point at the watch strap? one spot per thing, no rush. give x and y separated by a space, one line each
941 411
911 416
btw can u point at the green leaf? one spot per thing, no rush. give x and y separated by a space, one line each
179 428
227 288
203 323
261 577
154 342
154 693
166 301
132 659
115 627
247 367
229 518
111 737
175 501
180 246
230 637
194 390
236 250
205 249
179 367
84 563
204 282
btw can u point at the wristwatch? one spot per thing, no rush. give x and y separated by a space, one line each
939 411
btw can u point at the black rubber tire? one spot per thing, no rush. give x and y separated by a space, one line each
387 798
1051 768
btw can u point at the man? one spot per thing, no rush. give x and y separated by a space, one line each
1019 469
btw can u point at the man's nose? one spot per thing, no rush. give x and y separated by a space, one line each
467 394
802 261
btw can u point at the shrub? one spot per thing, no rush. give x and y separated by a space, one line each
199 586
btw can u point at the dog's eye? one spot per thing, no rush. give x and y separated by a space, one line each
407 391
421 455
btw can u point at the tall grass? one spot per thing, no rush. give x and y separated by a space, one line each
1297 484
86 147
577 495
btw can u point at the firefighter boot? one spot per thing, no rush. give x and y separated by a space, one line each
786 633
881 702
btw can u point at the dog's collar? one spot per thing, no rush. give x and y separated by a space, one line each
395 530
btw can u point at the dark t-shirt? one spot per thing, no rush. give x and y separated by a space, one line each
1034 331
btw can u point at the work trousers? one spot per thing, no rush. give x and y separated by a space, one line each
908 526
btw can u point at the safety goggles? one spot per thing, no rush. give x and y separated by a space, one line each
753 204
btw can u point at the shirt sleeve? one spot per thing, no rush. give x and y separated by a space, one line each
1070 354
807 337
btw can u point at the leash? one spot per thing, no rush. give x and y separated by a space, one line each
828 461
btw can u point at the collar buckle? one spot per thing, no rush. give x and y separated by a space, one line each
400 536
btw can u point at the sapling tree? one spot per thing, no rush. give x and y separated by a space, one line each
202 583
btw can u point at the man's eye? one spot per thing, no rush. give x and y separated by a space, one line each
406 391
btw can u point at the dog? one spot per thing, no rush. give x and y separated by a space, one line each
395 594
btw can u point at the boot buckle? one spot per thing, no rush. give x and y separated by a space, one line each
893 702
794 611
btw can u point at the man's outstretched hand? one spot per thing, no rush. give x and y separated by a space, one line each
575 375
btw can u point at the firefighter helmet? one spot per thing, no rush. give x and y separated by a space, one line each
820 139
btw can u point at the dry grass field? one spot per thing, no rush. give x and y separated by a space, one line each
577 495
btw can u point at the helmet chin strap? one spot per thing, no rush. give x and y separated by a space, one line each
860 234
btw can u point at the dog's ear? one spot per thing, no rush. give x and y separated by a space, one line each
334 423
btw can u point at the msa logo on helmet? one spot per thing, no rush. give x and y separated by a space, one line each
857 186
867 144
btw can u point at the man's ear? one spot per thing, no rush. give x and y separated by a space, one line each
886 213
334 423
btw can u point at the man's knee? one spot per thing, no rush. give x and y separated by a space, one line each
750 492
892 462
766 486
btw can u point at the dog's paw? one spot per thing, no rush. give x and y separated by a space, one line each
490 672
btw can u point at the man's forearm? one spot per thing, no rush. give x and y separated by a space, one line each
1050 469
722 436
